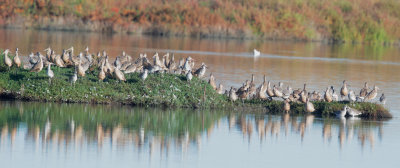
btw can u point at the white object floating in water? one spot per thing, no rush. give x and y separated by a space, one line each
256 53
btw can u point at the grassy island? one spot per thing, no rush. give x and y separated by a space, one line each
162 90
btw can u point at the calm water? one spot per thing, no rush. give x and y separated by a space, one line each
50 135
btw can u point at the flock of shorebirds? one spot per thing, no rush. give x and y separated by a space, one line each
125 64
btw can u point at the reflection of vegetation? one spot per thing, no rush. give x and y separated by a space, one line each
75 123
336 20
165 123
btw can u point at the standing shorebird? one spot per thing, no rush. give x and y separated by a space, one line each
335 97
39 64
50 73
382 99
220 89
364 90
212 82
186 66
74 77
7 59
120 76
102 74
232 95
352 96
17 60
371 95
189 76
328 96
144 75
344 91
201 71
309 106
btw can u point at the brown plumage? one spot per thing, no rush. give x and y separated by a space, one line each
328 96
212 82
38 66
17 60
344 91
364 90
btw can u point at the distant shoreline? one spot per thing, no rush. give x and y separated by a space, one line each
75 24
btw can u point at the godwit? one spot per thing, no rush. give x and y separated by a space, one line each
344 91
328 96
7 60
371 95
220 89
212 82
102 74
278 90
120 76
309 106
364 90
130 69
286 92
382 99
303 97
270 91
17 60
